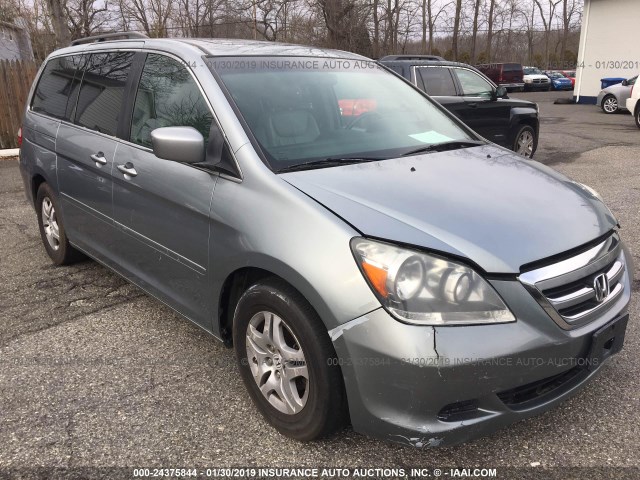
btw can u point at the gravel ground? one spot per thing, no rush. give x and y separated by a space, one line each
94 373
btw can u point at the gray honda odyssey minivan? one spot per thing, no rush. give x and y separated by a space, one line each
370 258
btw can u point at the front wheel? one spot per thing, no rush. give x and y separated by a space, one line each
637 115
287 361
525 143
610 104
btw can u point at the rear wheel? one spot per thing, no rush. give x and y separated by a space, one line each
287 361
525 143
52 230
610 104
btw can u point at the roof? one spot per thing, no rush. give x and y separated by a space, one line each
221 47
433 63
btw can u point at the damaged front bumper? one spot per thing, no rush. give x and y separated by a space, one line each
430 386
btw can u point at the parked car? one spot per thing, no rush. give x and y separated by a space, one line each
633 105
392 268
508 75
476 100
534 79
614 98
559 81
571 75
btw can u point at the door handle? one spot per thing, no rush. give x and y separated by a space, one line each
472 105
128 170
99 158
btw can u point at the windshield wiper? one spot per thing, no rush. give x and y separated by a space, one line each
329 162
441 147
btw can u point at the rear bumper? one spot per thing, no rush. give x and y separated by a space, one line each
26 180
430 386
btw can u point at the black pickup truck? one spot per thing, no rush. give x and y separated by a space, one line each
472 97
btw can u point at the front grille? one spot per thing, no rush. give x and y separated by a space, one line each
577 290
540 80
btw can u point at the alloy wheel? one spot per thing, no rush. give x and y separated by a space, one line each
525 144
277 362
50 223
610 105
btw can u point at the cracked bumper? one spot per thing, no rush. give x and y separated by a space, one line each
400 378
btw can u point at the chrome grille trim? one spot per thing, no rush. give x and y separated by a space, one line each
565 289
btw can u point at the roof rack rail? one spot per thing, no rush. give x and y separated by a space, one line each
108 36
412 57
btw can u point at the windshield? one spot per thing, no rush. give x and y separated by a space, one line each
532 71
309 109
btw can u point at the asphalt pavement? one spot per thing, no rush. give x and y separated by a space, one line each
95 373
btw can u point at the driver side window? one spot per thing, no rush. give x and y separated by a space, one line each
167 96
473 85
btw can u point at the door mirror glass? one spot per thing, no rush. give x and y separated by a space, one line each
179 144
501 92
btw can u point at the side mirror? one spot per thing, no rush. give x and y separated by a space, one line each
501 92
178 144
625 83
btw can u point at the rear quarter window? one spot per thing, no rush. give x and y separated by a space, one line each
57 89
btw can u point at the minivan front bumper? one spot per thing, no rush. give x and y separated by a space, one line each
430 386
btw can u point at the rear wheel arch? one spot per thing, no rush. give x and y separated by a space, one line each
36 180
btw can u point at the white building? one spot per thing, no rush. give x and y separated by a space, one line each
609 45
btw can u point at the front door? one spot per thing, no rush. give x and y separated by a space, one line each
160 207
483 113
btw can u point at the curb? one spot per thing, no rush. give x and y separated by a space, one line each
12 152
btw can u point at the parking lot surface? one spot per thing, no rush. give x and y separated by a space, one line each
93 372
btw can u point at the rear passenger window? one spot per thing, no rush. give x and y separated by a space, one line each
57 89
167 96
436 81
102 91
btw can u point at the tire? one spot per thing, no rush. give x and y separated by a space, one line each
637 116
525 141
51 226
610 104
317 406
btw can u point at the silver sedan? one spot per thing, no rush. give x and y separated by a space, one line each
613 98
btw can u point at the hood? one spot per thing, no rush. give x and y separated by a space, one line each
562 80
536 76
481 203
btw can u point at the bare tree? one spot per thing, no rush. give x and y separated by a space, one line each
85 16
456 29
474 35
152 15
59 22
547 21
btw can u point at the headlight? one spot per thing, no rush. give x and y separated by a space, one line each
527 80
426 289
